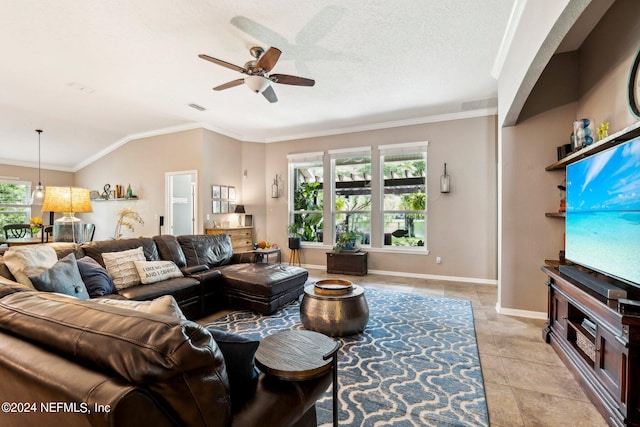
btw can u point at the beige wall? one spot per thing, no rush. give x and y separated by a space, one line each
461 226
528 238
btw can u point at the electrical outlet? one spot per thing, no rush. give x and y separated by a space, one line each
438 260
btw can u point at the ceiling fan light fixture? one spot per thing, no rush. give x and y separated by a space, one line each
256 84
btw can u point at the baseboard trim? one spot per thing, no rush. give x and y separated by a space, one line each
419 275
521 313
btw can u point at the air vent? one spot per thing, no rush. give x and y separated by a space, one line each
479 104
197 107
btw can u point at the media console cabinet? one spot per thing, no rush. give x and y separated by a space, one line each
598 339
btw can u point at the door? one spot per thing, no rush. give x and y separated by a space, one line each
182 213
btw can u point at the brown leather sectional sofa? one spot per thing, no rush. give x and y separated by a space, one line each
71 362
214 276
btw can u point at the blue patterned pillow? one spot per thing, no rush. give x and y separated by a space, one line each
95 277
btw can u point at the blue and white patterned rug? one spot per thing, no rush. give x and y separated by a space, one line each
415 364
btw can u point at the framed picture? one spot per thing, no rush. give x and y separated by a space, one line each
232 193
232 207
224 207
224 192
216 206
215 191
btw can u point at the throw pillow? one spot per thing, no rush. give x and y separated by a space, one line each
156 271
121 267
95 277
63 277
239 358
165 305
23 261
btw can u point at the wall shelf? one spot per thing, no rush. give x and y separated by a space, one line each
625 134
121 199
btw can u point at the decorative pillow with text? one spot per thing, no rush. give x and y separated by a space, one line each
156 271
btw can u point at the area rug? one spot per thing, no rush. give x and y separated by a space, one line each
415 364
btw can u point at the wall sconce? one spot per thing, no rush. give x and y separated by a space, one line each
274 188
445 183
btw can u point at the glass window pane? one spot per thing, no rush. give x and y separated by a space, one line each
404 229
352 209
306 217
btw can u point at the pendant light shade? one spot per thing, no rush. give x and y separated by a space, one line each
37 197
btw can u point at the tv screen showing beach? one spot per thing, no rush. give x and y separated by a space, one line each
603 212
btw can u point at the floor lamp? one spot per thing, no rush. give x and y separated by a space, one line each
69 201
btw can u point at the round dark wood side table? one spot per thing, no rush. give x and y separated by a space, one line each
300 355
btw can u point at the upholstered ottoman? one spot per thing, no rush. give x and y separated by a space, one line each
262 287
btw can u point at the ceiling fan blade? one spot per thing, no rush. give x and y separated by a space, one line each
227 85
270 94
291 80
269 58
223 63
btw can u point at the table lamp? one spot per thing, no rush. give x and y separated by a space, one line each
239 210
69 201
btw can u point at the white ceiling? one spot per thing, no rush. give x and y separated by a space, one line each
94 74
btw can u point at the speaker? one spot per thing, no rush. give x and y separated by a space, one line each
161 221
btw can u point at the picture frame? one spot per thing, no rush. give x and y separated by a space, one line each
224 192
224 207
215 191
216 207
232 193
232 207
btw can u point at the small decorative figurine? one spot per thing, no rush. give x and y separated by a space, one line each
603 130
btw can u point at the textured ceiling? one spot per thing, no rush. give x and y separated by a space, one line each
93 74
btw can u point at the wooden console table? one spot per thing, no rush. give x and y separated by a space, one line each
599 342
241 237
354 263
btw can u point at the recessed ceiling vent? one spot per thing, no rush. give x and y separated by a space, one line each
480 104
197 107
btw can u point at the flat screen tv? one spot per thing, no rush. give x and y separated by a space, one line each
603 212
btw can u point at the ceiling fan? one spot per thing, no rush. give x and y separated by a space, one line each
258 78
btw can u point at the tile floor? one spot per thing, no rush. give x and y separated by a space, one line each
526 383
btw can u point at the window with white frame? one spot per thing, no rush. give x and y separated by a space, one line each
404 194
351 182
306 218
14 202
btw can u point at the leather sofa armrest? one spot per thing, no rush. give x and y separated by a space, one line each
188 271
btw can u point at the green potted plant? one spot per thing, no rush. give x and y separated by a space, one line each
295 236
347 242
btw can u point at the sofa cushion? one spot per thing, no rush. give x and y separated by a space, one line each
95 277
24 261
180 287
121 267
211 250
165 305
177 361
156 271
169 249
239 357
63 278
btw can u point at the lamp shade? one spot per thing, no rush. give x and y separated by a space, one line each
239 209
67 200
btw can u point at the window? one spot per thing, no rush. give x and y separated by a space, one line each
14 202
404 168
306 174
352 193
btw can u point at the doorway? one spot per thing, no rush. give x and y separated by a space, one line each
181 202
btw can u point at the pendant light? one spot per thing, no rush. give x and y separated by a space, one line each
37 197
